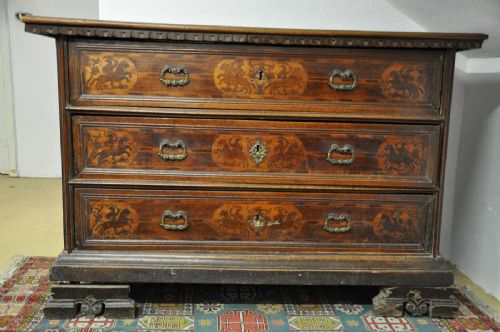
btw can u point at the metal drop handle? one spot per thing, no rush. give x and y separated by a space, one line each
174 71
345 150
342 222
174 215
343 74
173 146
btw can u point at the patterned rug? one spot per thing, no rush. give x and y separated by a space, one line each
242 308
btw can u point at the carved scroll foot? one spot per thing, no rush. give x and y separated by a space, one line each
432 302
73 300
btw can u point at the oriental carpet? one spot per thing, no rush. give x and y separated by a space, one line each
243 308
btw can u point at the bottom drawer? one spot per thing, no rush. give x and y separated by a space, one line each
272 221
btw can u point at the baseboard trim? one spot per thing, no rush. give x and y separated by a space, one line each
488 303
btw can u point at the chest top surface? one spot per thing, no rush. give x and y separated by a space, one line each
52 26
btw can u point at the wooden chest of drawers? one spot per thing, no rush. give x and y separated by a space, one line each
233 155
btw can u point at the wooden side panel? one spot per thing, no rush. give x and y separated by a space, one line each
271 77
256 151
252 221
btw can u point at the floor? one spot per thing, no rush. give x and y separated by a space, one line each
31 225
30 218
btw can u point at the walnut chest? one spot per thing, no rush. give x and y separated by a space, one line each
246 155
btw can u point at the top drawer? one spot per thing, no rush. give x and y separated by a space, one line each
251 79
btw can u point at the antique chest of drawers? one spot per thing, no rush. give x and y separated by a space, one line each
245 155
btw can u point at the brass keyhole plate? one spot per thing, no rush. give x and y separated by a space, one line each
258 152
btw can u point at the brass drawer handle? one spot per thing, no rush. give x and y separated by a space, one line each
342 220
176 215
346 149
343 74
174 71
167 145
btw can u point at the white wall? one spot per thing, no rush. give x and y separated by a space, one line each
456 16
34 78
7 125
456 118
319 14
473 201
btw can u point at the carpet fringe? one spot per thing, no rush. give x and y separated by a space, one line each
468 293
15 263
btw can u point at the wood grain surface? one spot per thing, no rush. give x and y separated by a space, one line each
225 150
242 220
129 74
247 155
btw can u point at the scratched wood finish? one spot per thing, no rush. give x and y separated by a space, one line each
220 150
242 220
252 267
275 78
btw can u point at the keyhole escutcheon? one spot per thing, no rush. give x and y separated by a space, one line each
260 73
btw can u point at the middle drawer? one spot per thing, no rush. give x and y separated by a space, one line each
258 152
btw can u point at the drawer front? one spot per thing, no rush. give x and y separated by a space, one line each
273 78
256 151
156 219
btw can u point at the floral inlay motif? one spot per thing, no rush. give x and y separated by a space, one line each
256 78
258 217
283 153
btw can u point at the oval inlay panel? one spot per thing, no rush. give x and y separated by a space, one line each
108 73
112 219
109 148
284 153
259 78
401 156
237 219
403 81
397 225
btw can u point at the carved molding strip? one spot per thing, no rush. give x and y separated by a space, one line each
54 30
